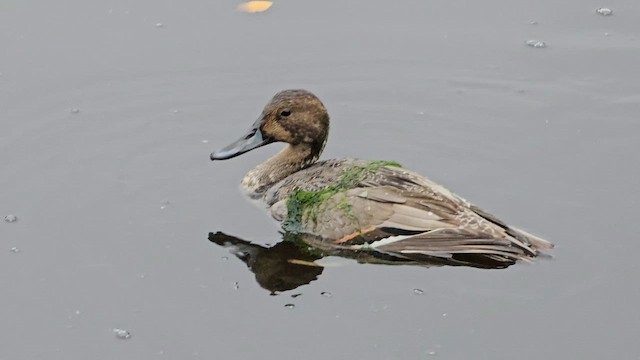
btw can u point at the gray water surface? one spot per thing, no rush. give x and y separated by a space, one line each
107 121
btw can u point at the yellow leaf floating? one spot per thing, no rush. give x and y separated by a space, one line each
253 7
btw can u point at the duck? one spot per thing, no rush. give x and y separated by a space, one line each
356 205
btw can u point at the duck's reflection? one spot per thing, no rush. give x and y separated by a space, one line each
292 262
281 267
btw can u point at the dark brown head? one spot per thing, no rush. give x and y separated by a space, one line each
296 117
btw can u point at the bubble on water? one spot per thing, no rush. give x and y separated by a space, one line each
535 43
326 294
533 22
444 315
10 218
77 312
604 11
420 112
122 333
159 25
225 258
236 285
205 141
75 111
175 111
432 353
289 306
607 34
418 291
14 250
165 204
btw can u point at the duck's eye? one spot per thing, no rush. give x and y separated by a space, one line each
285 112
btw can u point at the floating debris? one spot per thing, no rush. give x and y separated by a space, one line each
14 250
418 291
225 258
604 11
326 294
75 111
289 306
122 334
296 295
535 43
253 7
236 285
10 218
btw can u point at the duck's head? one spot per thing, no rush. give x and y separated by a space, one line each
296 117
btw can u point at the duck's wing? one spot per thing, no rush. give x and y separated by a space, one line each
402 213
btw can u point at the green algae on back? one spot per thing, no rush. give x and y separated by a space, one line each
307 203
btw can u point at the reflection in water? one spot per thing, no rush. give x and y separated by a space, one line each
281 267
292 262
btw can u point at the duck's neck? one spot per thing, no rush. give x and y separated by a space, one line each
288 161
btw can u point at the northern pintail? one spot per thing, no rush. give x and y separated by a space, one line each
364 205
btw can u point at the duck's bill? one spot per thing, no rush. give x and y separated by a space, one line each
251 140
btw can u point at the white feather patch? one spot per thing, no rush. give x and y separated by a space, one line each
388 240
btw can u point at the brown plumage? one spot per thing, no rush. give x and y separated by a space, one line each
360 205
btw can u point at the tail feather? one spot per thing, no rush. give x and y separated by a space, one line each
536 242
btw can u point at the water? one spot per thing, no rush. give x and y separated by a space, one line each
545 138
